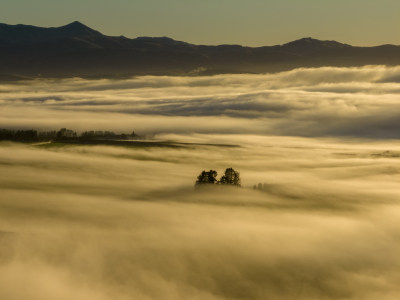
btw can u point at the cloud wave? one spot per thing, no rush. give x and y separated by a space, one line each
106 222
357 102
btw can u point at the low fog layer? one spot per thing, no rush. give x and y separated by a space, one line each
359 102
92 222
105 222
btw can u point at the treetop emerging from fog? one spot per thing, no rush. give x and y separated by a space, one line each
230 177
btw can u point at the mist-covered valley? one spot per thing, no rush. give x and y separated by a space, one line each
120 222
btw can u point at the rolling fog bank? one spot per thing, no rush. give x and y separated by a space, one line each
106 222
352 102
93 222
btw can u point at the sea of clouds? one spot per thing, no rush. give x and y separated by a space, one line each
356 102
102 222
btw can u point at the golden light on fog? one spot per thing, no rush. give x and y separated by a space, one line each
104 222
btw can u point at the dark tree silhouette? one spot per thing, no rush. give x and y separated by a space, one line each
19 135
62 135
205 177
6 134
231 177
65 133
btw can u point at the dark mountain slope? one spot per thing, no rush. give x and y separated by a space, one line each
28 35
77 50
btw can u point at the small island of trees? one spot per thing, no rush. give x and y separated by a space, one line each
230 177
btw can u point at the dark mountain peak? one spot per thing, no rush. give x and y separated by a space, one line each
306 40
310 42
309 45
76 24
76 29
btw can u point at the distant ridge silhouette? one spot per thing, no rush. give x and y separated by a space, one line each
77 50
26 34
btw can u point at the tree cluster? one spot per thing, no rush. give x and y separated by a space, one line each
230 177
107 135
63 134
18 135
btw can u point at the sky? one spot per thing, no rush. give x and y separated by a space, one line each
251 22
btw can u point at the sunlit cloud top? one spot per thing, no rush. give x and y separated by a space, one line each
357 102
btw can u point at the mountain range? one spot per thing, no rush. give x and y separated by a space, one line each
75 50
